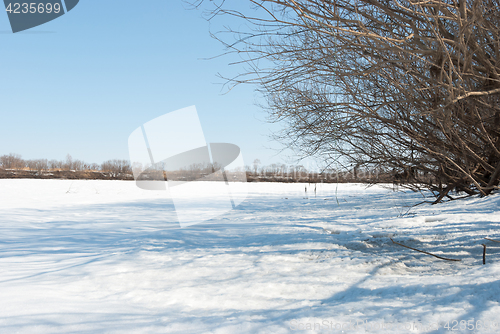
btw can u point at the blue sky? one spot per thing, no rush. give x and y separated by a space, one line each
82 83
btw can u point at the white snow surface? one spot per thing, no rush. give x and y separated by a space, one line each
108 257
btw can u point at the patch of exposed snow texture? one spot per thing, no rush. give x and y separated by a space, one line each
108 257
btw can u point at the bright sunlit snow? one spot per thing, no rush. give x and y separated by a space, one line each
108 257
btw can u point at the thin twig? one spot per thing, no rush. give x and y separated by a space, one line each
69 189
439 257
492 240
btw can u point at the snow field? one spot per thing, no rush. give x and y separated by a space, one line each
107 257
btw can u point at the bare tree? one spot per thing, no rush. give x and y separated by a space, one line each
78 165
256 164
68 165
116 167
12 161
39 165
31 164
55 164
409 85
93 167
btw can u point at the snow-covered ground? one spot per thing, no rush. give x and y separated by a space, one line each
107 257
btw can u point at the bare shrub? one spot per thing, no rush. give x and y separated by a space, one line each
412 86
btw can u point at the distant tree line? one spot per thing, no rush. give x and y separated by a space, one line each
275 172
16 162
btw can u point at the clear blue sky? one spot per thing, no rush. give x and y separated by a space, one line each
82 83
